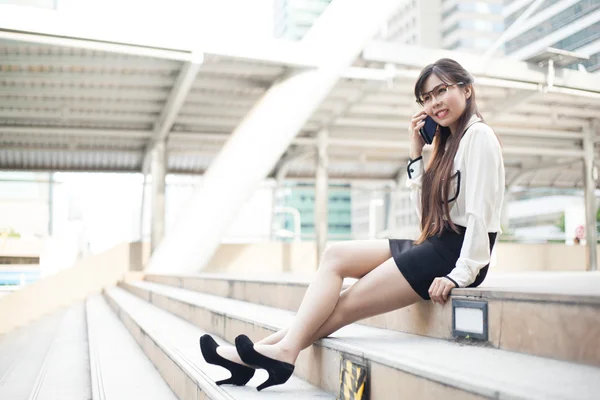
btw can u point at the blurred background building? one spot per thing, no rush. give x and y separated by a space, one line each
572 25
293 18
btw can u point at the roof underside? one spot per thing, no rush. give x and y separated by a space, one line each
77 109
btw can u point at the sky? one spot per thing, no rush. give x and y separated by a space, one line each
225 17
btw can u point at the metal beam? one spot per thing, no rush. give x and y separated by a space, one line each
192 137
516 150
525 121
82 105
511 102
92 78
173 105
65 114
213 121
539 133
226 99
25 77
518 132
88 63
71 149
47 131
502 72
542 167
100 93
177 97
395 144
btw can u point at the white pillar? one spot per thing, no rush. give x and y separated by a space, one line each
321 193
336 38
590 176
158 193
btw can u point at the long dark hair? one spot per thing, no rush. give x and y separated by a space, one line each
437 177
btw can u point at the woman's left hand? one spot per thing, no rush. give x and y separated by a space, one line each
440 290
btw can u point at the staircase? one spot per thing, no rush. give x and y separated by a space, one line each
540 339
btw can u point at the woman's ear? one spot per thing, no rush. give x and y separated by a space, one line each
468 91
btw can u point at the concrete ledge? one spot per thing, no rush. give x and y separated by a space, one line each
88 276
301 258
564 325
423 365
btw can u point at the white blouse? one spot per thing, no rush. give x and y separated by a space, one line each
477 199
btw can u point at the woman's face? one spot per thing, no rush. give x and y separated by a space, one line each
444 104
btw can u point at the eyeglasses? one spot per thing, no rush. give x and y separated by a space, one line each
439 92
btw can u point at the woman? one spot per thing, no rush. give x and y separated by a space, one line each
458 200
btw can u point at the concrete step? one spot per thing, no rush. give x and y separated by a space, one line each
555 315
415 366
33 358
22 354
118 367
172 345
65 374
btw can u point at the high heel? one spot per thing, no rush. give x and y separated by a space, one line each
240 374
279 371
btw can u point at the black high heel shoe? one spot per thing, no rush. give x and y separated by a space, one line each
240 374
279 371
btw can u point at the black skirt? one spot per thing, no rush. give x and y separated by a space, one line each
434 258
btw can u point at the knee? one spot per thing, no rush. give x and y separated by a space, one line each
332 259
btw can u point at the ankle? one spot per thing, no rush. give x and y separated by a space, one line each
287 351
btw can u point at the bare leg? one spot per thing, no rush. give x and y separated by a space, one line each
382 290
274 338
353 259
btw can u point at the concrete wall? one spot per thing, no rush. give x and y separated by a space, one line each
139 255
514 257
86 277
298 258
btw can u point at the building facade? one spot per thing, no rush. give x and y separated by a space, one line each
293 18
301 196
572 25
471 26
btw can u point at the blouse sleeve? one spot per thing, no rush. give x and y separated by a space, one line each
415 172
483 159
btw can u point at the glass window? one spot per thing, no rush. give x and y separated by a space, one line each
558 21
466 7
579 39
483 8
449 12
513 17
496 8
593 64
485 26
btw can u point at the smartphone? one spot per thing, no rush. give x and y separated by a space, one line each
428 130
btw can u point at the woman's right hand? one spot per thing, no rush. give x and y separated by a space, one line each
416 141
